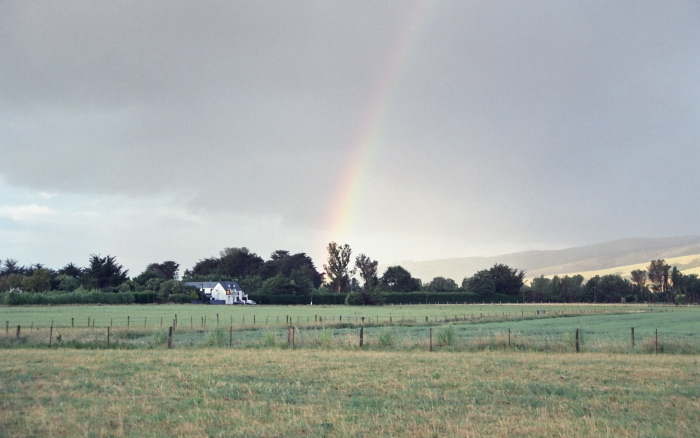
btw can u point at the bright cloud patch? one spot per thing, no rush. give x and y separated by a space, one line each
22 213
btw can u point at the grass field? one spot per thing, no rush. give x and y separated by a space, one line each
495 370
285 393
453 327
193 315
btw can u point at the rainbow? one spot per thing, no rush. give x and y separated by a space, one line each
351 186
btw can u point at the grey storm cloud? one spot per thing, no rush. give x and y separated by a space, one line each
540 117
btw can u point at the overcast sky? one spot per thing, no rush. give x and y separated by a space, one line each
170 130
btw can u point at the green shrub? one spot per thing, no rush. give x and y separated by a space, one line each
180 298
79 296
354 299
146 297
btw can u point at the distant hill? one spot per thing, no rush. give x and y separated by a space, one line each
618 254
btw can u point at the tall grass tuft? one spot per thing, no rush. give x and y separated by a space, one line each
269 338
217 337
446 336
160 337
386 339
324 338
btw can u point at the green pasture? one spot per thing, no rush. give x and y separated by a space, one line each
286 393
444 327
152 315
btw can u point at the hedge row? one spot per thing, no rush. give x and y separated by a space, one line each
317 298
77 297
446 297
98 297
388 298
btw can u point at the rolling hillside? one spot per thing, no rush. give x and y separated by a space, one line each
619 256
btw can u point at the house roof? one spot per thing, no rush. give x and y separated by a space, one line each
227 285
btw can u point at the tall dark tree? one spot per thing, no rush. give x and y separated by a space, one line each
337 270
610 288
299 269
12 266
368 271
292 265
658 273
481 283
506 280
104 272
540 289
202 269
168 270
639 278
398 279
238 263
72 270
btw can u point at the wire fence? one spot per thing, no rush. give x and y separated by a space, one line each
445 336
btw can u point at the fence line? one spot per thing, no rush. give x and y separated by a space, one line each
368 337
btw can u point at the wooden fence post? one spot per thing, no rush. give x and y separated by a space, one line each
292 336
656 342
217 319
128 321
632 336
144 320
508 338
50 335
88 321
230 337
431 339
170 338
72 322
578 348
362 336
7 328
109 332
18 328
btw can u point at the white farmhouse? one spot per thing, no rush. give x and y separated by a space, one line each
221 292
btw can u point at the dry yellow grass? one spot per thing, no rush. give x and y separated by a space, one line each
251 393
689 264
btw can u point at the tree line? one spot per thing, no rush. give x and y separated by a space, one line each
284 275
